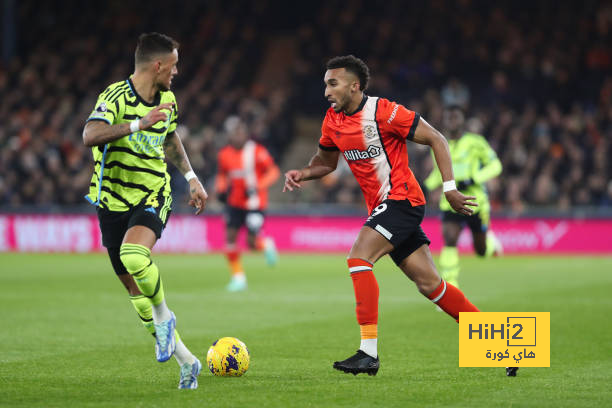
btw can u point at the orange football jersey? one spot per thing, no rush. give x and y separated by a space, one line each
244 169
373 142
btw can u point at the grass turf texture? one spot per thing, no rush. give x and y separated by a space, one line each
71 338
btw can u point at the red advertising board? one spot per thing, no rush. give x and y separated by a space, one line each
190 234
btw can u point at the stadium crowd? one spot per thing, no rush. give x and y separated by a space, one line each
50 88
535 81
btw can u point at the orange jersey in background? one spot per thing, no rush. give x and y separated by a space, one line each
243 171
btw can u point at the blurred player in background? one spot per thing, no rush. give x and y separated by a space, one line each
245 172
131 130
371 133
474 163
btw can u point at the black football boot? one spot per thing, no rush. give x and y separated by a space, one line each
359 363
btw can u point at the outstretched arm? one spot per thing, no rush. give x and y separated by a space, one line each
425 134
97 132
321 164
175 152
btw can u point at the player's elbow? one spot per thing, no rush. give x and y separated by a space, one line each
327 169
88 139
93 132
274 174
498 167
436 138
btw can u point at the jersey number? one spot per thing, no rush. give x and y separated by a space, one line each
381 208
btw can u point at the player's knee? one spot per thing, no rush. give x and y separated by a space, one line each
426 288
427 283
113 254
133 262
451 240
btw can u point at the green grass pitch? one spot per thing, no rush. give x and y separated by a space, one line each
71 338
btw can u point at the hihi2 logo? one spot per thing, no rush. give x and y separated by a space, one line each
499 339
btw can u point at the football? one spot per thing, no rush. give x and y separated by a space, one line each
228 357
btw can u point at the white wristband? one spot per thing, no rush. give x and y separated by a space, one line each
449 186
190 175
135 125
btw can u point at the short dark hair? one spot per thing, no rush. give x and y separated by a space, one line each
352 64
151 44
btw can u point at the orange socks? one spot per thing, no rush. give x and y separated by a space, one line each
233 258
260 244
369 331
366 296
451 300
366 291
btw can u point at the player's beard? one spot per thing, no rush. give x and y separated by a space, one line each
342 104
163 87
346 104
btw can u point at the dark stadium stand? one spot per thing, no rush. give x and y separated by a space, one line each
536 82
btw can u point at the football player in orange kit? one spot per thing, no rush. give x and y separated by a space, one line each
245 172
371 133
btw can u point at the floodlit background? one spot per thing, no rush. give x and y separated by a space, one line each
536 80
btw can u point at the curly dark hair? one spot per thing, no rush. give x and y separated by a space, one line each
150 44
352 64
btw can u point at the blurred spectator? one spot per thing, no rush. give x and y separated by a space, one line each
57 76
537 84
538 90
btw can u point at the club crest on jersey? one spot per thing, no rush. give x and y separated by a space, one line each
372 151
369 131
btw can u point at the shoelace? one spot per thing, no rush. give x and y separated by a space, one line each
162 334
186 374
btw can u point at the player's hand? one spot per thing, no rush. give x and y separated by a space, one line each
460 202
292 180
156 115
463 184
198 195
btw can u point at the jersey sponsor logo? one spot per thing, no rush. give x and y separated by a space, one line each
393 113
144 143
355 154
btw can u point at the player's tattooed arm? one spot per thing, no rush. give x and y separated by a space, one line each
175 152
425 134
97 132
321 164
